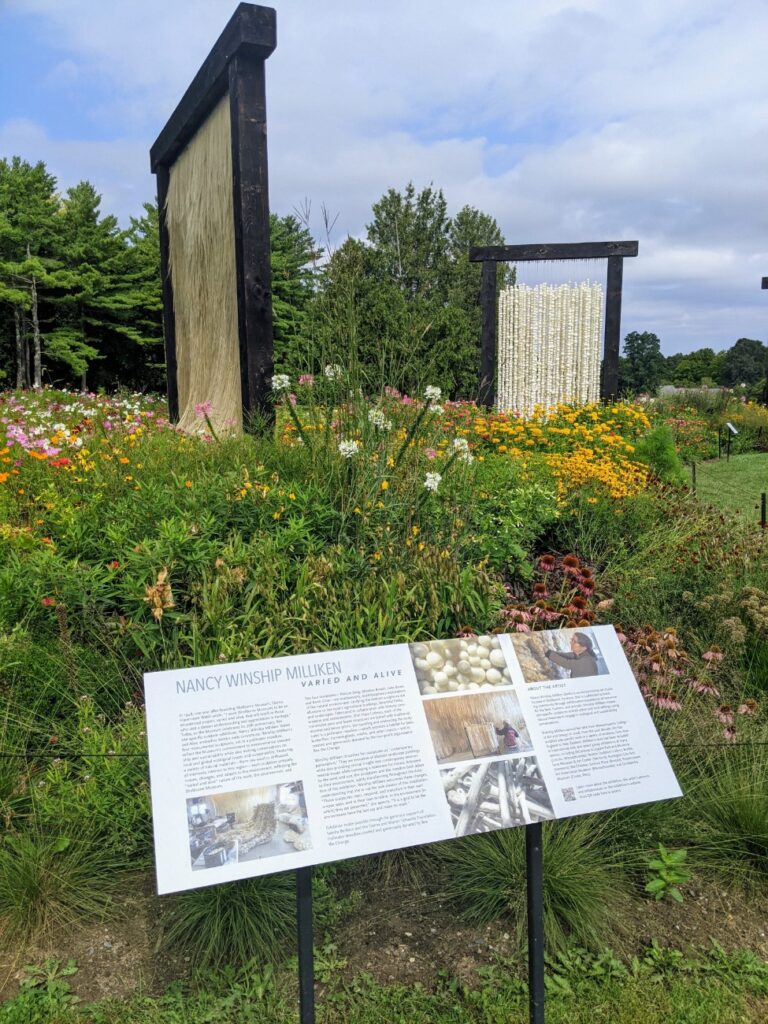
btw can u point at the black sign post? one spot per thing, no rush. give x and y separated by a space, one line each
305 938
534 864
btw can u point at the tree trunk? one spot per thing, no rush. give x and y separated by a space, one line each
25 344
37 380
20 361
83 385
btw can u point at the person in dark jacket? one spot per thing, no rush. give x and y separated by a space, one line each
508 737
580 660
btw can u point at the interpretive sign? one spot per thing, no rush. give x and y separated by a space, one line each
265 766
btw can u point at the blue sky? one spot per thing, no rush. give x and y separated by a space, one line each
567 120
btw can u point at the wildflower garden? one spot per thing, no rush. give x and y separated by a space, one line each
367 516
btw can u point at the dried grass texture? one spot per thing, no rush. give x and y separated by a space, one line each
201 234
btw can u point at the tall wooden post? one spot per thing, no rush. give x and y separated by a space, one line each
488 338
609 383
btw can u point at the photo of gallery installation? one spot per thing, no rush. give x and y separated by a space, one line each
473 725
496 794
230 828
558 654
454 666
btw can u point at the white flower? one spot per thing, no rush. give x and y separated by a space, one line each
432 393
281 382
379 420
332 371
349 448
437 409
461 446
432 481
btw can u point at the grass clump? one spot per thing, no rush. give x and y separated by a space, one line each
585 894
234 923
48 882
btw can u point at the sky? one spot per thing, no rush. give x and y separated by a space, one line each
589 120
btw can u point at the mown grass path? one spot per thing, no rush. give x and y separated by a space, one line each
735 485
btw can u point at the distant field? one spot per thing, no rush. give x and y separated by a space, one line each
734 486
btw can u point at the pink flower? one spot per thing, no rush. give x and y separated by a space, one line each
430 453
521 627
702 688
714 655
292 399
749 707
724 714
730 734
307 378
203 409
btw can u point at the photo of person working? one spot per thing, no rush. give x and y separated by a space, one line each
580 661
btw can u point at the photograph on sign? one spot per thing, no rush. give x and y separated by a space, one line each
490 795
467 726
559 654
450 666
259 767
230 828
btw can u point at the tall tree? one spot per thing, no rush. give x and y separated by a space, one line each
744 362
294 259
28 230
643 364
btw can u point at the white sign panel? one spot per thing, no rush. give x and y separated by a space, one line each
263 766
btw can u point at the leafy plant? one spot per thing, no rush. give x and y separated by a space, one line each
667 873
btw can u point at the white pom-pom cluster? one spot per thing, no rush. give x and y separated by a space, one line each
549 346
450 666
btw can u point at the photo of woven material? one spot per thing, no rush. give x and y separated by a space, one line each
467 726
496 794
229 828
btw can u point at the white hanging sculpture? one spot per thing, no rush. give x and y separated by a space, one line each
548 346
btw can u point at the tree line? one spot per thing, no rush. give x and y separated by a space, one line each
80 297
643 368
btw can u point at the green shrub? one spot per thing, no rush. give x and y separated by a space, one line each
657 451
730 799
585 894
50 880
234 923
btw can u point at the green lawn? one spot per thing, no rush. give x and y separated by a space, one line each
734 486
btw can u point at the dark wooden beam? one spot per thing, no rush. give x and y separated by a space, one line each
609 379
248 108
169 320
556 251
487 391
251 32
765 282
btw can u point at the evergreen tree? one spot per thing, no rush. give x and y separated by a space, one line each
744 363
28 230
643 367
294 256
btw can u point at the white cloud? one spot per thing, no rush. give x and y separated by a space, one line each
565 119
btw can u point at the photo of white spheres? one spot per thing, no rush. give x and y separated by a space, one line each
452 666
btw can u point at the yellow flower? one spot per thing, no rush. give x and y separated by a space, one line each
187 483
385 485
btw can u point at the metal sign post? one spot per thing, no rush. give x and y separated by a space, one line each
534 863
306 953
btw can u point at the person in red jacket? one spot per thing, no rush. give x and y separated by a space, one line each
508 737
